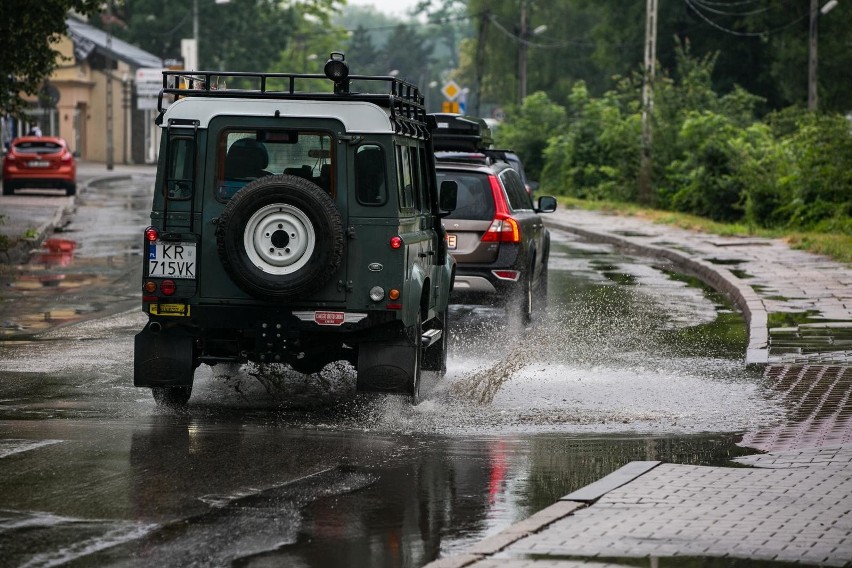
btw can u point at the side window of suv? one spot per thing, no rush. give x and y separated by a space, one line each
370 176
423 181
518 197
406 177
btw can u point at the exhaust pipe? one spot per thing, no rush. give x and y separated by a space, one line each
155 327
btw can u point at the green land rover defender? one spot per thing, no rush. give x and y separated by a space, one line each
297 227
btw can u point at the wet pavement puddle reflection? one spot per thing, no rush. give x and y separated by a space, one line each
267 467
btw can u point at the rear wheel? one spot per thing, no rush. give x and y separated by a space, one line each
435 356
523 303
172 397
71 189
8 188
417 332
542 289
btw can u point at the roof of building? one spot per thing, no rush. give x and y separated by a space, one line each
88 38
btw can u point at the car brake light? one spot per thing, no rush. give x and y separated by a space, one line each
395 242
504 228
502 231
151 234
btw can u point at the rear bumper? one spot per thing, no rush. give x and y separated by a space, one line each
473 285
42 180
477 281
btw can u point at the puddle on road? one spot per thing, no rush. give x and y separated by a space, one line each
90 268
663 355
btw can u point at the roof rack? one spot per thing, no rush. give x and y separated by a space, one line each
457 132
401 98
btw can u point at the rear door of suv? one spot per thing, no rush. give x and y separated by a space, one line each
473 215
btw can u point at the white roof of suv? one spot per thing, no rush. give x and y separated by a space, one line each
356 116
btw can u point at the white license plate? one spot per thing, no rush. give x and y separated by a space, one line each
171 260
38 164
451 242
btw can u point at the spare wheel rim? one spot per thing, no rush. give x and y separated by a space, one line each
279 239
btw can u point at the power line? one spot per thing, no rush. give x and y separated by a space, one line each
708 6
720 27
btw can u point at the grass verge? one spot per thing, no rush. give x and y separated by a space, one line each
836 246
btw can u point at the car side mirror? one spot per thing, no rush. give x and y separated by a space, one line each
449 195
546 204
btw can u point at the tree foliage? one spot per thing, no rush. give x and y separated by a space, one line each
760 46
28 32
242 35
712 156
528 129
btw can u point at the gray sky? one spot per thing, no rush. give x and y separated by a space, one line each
394 7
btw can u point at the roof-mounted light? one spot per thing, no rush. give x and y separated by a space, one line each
337 70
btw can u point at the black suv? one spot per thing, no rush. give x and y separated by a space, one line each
495 232
292 226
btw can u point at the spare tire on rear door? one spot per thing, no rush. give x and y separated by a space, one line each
280 237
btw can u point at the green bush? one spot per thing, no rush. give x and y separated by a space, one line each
711 156
528 128
597 156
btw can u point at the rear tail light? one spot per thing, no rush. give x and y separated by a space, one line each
151 234
67 158
503 231
504 228
395 242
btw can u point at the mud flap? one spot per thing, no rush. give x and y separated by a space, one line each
386 366
162 359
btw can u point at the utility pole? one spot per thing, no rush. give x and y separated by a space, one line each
195 34
645 164
813 96
109 102
522 54
479 63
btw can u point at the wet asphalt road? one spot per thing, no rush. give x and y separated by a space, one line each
631 361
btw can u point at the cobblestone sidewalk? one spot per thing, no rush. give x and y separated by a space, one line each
792 505
789 507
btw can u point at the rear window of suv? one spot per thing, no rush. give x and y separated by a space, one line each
38 147
245 155
475 200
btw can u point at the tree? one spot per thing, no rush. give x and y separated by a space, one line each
363 56
409 51
528 129
242 35
27 32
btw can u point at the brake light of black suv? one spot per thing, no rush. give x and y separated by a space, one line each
504 228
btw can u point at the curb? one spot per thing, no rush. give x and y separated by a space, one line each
719 278
20 249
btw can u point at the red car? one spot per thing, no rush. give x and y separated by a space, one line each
43 161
